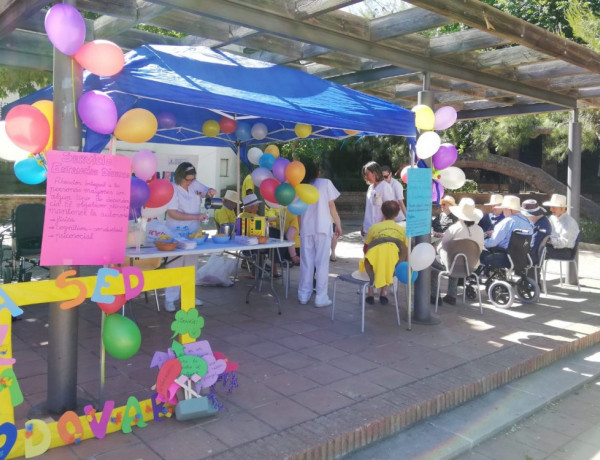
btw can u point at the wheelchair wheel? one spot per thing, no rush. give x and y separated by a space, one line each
528 290
501 294
494 275
471 290
7 275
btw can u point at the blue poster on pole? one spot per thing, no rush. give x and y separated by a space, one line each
418 199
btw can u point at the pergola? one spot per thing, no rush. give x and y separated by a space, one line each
497 65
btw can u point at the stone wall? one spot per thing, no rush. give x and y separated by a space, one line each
10 202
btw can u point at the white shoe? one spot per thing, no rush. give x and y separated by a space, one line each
323 305
199 303
170 306
303 302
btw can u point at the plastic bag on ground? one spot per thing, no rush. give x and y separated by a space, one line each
216 271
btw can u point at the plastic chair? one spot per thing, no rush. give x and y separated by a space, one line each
541 257
363 293
464 255
570 257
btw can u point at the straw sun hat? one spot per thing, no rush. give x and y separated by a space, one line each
532 209
495 199
510 202
250 200
466 210
557 201
448 199
231 196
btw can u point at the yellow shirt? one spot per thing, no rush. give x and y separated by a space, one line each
291 220
225 216
386 229
247 184
247 215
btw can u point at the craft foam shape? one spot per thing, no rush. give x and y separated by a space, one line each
99 427
129 272
9 432
189 409
169 371
7 302
4 346
103 282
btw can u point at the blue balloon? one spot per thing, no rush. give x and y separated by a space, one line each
243 132
266 161
401 273
30 172
297 207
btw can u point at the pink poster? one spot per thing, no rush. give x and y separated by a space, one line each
87 207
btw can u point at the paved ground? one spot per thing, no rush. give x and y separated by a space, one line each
310 387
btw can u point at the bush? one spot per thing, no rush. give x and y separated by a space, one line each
590 231
469 187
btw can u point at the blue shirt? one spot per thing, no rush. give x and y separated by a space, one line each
504 229
541 229
489 221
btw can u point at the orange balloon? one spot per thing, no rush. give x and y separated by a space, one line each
47 108
294 173
136 126
101 57
351 132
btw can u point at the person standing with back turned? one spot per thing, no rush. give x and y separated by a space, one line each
315 238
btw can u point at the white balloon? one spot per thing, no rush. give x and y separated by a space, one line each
273 205
427 144
151 213
452 177
254 155
8 149
260 174
259 131
422 256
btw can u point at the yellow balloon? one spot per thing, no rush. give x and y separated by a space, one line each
424 117
211 128
47 108
273 150
351 132
136 126
302 130
307 193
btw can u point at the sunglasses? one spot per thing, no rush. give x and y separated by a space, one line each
386 176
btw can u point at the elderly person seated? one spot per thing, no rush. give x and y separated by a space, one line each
491 219
381 257
498 241
444 219
464 229
226 213
541 226
564 228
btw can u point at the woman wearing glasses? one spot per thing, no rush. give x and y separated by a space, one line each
184 217
378 192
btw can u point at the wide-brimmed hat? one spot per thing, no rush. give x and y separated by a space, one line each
495 199
250 200
557 201
532 209
232 196
466 210
510 202
448 199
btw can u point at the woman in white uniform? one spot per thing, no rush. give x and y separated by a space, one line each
184 217
378 192
315 238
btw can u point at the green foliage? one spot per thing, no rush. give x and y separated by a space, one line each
22 81
585 24
469 187
590 231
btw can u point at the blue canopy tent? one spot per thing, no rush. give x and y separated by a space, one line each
196 84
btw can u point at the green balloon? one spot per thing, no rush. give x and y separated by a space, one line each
121 336
285 194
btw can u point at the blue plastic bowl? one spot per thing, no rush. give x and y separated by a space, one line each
200 241
221 239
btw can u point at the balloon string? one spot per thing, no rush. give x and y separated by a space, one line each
73 91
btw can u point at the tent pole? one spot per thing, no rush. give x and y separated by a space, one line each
238 179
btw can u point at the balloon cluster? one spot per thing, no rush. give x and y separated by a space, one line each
146 190
279 180
429 145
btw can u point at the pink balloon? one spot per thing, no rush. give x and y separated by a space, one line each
65 28
144 164
27 127
101 57
444 118
445 156
98 111
161 192
166 120
227 125
279 167
267 189
404 174
437 191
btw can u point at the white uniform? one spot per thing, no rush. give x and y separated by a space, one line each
376 195
188 201
315 240
398 196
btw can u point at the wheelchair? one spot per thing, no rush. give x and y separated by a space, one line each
504 273
25 232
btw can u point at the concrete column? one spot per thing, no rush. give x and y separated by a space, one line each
63 324
574 179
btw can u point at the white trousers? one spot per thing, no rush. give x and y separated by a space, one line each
314 255
173 293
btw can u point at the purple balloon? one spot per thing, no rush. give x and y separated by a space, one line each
166 120
65 28
140 192
437 191
445 156
144 164
259 175
279 167
98 111
135 213
444 118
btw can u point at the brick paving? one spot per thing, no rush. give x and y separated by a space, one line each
309 387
